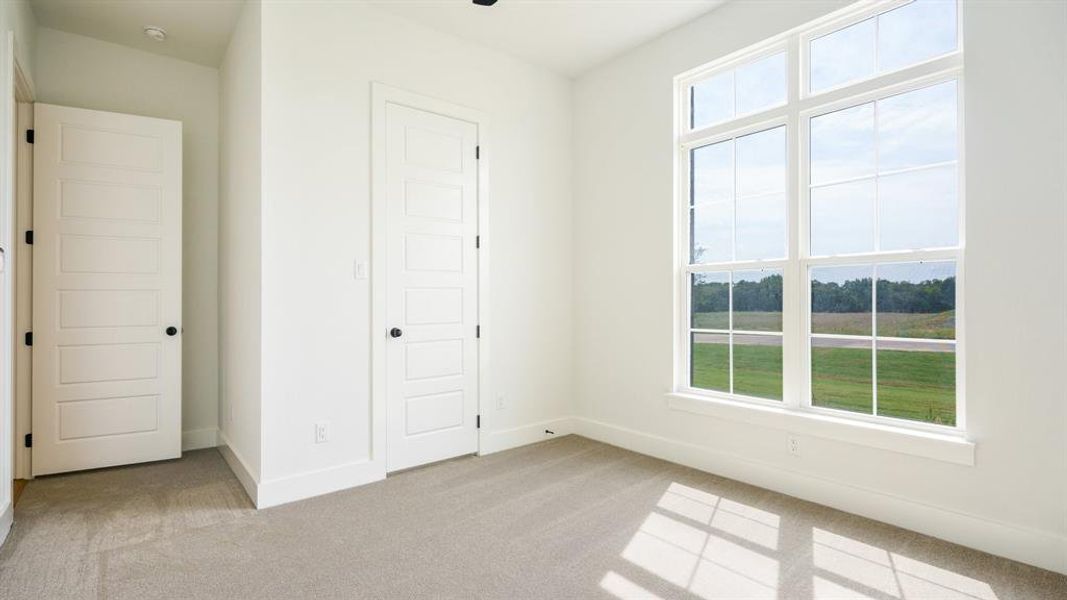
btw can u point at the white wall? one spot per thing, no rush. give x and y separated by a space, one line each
17 16
1013 500
319 60
74 70
239 248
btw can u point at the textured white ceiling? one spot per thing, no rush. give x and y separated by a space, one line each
567 36
197 30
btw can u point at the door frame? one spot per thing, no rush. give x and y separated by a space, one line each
15 87
22 258
381 96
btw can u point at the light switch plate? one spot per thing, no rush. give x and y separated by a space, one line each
361 270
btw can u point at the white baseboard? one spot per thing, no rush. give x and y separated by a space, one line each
282 490
249 481
7 517
505 439
200 438
316 483
1039 548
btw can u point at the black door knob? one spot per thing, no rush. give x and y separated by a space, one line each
172 331
395 332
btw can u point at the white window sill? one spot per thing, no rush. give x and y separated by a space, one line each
938 446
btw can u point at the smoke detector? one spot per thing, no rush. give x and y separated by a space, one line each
154 33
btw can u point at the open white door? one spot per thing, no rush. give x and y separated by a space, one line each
106 289
432 281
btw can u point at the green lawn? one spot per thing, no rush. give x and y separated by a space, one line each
745 320
911 385
758 372
937 326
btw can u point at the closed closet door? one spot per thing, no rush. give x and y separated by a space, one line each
432 281
106 289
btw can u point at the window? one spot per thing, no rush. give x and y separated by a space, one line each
736 332
754 86
912 33
821 221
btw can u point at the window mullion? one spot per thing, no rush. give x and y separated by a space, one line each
793 378
877 245
874 338
733 248
730 317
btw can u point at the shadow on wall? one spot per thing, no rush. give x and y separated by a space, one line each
707 546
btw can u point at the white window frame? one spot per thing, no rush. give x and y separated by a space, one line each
801 106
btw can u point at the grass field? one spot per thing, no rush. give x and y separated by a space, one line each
911 385
758 372
937 326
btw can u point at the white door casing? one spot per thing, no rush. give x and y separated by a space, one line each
432 287
106 288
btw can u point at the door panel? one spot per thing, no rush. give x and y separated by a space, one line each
432 283
106 285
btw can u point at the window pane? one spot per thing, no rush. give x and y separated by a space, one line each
761 227
713 172
841 374
843 56
758 300
761 84
712 100
761 162
709 361
841 300
712 232
842 218
712 218
761 209
916 32
918 209
917 300
842 144
710 301
917 128
917 381
758 366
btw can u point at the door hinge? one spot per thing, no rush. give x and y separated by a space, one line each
28 440
29 237
477 241
29 338
478 331
478 422
477 152
29 136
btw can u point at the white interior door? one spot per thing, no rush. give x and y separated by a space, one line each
106 289
432 355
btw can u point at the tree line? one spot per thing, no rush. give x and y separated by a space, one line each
851 296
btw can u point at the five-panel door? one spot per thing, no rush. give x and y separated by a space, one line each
432 281
106 289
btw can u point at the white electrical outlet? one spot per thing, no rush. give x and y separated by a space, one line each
500 402
322 432
794 445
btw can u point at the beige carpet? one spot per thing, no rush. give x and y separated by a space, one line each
569 518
